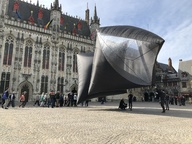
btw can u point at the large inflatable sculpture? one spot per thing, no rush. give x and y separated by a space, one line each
124 58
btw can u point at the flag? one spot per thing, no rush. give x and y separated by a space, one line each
48 24
18 15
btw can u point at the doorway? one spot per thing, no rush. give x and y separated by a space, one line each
27 88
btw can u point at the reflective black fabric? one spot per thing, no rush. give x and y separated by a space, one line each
124 58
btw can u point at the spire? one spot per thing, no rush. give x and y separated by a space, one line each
95 13
95 17
87 15
56 5
37 2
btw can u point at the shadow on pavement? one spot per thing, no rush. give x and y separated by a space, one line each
181 113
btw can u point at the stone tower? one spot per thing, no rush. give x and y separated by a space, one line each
95 23
55 18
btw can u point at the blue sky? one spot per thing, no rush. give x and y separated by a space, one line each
170 19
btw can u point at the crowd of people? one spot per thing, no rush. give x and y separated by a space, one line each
56 100
59 100
43 100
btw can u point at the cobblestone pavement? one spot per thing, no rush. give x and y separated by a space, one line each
96 124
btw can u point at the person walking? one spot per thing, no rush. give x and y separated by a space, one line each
22 100
42 102
130 99
5 97
37 101
75 99
11 100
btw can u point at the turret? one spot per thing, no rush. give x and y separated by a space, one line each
170 67
87 15
95 19
170 62
56 5
55 17
95 23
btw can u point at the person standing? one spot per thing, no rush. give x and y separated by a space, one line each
61 100
52 97
167 101
57 96
5 97
161 95
130 99
65 100
87 103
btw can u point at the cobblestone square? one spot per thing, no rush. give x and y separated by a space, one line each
96 124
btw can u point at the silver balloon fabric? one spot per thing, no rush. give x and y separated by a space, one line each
124 58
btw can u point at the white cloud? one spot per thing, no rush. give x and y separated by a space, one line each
177 44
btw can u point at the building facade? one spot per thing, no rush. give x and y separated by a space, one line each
166 77
185 75
38 47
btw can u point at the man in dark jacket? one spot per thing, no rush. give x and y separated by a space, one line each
11 100
130 99
161 94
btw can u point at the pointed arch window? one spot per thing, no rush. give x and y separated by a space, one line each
5 80
61 65
28 54
8 53
44 84
60 84
75 61
46 55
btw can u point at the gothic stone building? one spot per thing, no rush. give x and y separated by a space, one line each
38 47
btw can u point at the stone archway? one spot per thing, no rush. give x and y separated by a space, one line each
27 88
